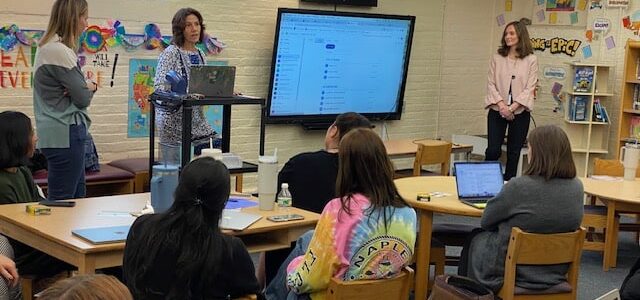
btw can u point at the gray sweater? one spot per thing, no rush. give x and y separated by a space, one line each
534 205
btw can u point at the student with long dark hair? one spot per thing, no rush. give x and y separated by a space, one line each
548 198
17 144
182 254
367 232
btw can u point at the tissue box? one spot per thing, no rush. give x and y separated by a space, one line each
231 160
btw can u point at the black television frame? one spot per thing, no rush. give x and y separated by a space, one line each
324 120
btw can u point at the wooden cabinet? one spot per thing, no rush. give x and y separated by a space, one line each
629 117
586 117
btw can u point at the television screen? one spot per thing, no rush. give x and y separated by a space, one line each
326 63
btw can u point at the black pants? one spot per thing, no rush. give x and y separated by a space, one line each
516 135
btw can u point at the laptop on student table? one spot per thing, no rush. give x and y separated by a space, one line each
103 235
235 220
477 182
212 81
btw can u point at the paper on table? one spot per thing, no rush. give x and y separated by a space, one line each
606 178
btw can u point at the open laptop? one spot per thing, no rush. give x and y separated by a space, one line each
103 235
212 81
477 182
235 220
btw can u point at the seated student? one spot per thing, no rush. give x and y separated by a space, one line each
17 144
631 285
547 199
87 287
182 254
367 232
312 177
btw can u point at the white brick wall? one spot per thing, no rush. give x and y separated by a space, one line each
453 41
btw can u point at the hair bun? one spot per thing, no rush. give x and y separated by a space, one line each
525 21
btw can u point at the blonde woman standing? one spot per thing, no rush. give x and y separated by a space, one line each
61 96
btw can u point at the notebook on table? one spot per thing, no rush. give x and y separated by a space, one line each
477 182
235 220
212 81
103 235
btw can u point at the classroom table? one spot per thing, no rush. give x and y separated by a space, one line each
52 233
447 204
618 196
404 148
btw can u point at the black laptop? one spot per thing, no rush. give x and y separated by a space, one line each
212 81
477 182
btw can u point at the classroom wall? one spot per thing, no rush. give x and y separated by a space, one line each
247 27
453 42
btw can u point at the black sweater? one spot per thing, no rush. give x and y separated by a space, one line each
234 275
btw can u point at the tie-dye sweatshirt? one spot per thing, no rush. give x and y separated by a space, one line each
354 247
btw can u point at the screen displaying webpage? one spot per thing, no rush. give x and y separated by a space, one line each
334 64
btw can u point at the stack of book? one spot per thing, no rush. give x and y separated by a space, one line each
577 108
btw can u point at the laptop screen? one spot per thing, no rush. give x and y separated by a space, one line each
478 179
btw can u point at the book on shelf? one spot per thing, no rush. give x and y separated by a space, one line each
583 79
598 112
578 108
634 127
638 68
636 97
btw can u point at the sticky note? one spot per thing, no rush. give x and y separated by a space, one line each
582 4
586 51
610 42
553 18
540 2
508 5
540 15
500 20
574 17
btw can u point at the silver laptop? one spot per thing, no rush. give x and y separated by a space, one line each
212 81
477 182
235 220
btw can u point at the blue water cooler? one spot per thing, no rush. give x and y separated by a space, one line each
163 185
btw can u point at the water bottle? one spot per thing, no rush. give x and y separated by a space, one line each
284 198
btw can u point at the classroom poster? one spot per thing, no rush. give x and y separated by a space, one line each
141 75
559 12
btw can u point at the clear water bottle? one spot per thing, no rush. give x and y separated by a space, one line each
284 198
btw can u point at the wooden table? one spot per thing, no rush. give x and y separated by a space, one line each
409 188
402 148
52 233
621 196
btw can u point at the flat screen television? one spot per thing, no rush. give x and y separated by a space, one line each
326 63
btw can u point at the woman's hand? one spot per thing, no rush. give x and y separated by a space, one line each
8 270
505 112
92 86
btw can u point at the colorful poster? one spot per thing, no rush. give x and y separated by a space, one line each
561 5
141 74
560 12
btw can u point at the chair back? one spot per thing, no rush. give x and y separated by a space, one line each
391 288
610 167
431 152
542 249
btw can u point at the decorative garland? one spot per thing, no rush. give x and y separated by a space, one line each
96 38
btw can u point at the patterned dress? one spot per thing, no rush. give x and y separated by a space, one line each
170 124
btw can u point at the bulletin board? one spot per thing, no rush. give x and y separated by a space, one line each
560 12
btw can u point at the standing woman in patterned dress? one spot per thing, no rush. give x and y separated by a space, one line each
188 29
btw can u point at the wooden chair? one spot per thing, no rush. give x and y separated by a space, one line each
542 249
595 221
430 152
248 297
392 288
613 167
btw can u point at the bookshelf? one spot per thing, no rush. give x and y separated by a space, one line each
630 104
586 118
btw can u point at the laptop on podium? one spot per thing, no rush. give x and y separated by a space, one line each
477 182
212 81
